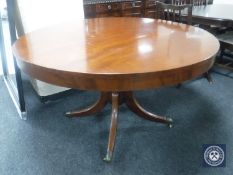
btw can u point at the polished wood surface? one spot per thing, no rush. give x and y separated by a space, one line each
103 54
95 108
113 126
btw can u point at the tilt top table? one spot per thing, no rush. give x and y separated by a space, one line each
116 56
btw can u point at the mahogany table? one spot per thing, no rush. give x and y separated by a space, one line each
116 56
214 14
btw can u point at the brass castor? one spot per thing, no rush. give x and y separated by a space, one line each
170 125
170 122
108 158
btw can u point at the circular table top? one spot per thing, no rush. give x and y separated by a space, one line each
116 54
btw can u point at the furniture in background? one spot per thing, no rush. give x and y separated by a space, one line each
226 43
114 8
220 19
174 13
199 2
101 9
133 9
177 13
181 2
127 64
108 8
193 2
215 14
149 9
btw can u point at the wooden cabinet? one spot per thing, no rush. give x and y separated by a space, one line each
89 11
137 8
150 9
106 8
134 8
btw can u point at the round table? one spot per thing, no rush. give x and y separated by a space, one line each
116 56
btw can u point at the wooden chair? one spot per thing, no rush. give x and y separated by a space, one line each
226 43
150 7
192 2
180 2
199 2
174 13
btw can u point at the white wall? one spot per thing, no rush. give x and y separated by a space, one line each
223 1
40 13
34 14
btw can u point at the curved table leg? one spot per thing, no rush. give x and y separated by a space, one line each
97 107
117 98
133 105
113 127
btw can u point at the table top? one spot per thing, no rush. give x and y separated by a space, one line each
116 53
214 11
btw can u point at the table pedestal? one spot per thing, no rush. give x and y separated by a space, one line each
117 98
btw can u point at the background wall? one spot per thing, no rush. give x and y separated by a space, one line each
40 13
223 1
34 14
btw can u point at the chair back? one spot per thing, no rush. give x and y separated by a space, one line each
176 13
181 2
193 2
199 2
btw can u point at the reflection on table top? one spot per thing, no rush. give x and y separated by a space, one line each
116 46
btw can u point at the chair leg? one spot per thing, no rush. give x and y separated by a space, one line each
221 53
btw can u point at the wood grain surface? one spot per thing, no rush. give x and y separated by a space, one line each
116 54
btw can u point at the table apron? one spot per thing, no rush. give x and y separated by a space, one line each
119 82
